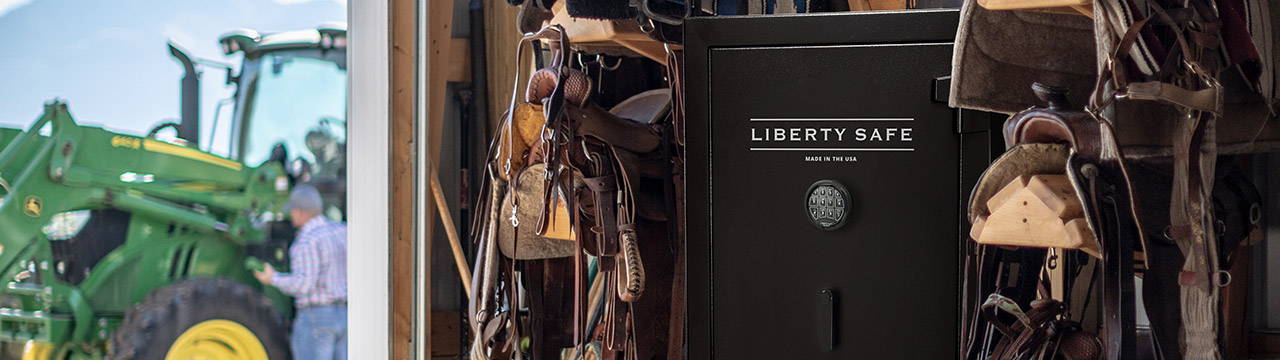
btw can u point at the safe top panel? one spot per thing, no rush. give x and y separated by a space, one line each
823 201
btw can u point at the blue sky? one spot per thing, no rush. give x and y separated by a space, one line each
108 60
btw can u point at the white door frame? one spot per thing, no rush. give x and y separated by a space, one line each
368 129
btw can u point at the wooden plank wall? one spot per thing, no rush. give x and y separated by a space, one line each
403 23
450 64
446 345
439 48
501 35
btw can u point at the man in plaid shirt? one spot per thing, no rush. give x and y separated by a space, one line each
318 282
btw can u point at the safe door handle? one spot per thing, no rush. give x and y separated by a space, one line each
826 319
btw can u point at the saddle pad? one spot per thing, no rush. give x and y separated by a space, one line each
522 242
646 108
1022 160
999 53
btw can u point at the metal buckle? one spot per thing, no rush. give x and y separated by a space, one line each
1221 278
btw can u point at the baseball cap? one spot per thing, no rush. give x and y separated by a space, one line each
305 198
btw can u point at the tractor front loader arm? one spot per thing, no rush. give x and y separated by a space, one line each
71 168
27 176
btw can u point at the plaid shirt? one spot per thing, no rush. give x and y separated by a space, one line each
319 261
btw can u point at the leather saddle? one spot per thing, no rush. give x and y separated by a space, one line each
1054 139
626 127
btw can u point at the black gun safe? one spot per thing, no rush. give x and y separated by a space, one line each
826 179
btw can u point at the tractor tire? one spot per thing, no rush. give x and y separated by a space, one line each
201 312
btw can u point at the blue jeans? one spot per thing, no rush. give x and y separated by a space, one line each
320 333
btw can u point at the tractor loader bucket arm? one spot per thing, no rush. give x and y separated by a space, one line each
77 167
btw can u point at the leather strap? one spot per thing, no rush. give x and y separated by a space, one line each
513 301
484 319
1194 154
1203 100
675 79
1200 100
606 220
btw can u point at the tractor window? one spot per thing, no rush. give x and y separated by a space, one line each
300 102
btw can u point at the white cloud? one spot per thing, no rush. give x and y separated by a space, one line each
9 5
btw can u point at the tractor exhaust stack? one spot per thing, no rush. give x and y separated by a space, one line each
189 128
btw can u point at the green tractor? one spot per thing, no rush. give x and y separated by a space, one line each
133 247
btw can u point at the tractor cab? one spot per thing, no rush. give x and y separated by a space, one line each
289 106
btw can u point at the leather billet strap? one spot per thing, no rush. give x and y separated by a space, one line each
581 293
484 307
1207 100
478 240
558 142
549 198
617 325
603 189
627 198
509 313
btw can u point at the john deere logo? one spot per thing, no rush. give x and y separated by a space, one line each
32 206
827 204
